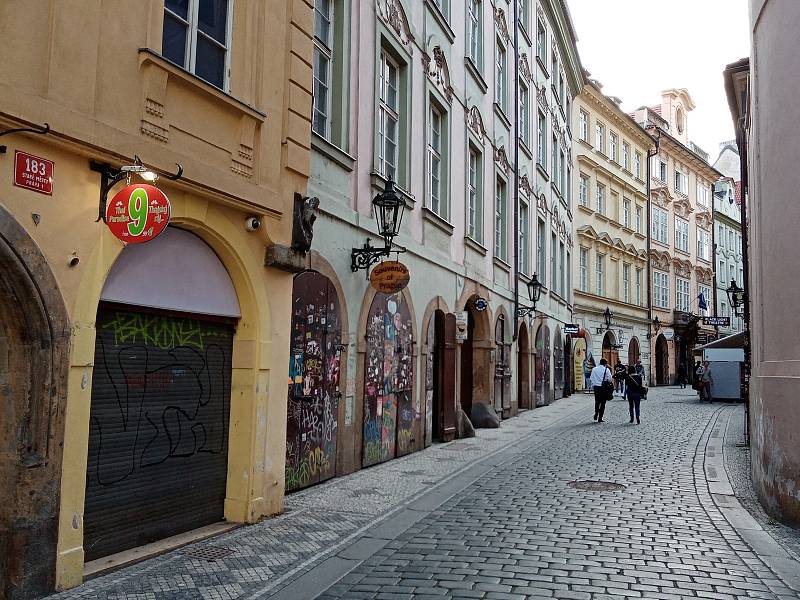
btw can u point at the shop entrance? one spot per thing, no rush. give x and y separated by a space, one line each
440 374
523 368
662 361
543 393
558 365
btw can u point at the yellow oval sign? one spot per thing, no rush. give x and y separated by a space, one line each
390 277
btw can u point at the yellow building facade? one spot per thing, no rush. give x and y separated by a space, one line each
90 445
611 225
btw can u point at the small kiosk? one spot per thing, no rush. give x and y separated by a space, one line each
726 356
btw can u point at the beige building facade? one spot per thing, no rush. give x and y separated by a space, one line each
144 385
611 231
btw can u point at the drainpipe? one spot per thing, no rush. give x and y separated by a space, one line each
741 133
651 152
515 269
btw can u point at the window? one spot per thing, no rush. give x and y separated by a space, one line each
195 36
600 137
583 190
475 32
706 291
553 263
524 9
561 88
639 214
583 125
681 234
583 268
613 141
500 245
389 116
568 192
443 7
541 255
682 294
740 281
500 75
681 182
600 268
435 163
600 197
568 287
524 236
723 310
554 68
626 213
626 282
662 171
731 273
626 156
524 114
561 169
659 229
638 287
474 201
323 66
541 140
562 253
637 164
703 245
554 156
703 193
541 41
660 289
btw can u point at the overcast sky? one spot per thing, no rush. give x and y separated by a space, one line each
637 48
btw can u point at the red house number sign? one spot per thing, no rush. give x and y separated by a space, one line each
33 172
138 213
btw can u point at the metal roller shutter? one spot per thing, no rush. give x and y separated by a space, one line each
158 430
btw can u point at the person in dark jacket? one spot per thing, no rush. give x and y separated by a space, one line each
634 387
681 376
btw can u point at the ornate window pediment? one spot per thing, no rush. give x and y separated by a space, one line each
500 23
501 158
704 275
525 68
661 197
525 186
475 122
682 207
439 72
661 259
683 268
392 13
541 97
542 204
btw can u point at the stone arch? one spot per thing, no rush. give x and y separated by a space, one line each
316 262
559 367
634 351
474 359
543 361
524 391
34 350
503 331
608 350
432 349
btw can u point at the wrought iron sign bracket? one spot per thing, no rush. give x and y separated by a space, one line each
368 255
43 130
523 311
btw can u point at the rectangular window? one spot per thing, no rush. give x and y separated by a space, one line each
474 27
681 183
568 192
435 163
541 255
474 203
703 192
568 286
662 171
554 156
524 114
660 289
500 75
583 190
613 141
703 244
638 287
323 66
600 274
600 198
562 253
583 267
389 116
500 244
681 234
541 140
195 36
626 213
639 215
524 237
553 263
637 164
541 41
682 294
706 291
660 227
600 137
524 9
561 170
554 69
626 156
583 125
626 282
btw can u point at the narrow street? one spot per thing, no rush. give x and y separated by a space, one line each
513 513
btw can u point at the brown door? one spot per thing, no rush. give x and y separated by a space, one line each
467 373
449 379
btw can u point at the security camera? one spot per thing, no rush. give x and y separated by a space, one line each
252 223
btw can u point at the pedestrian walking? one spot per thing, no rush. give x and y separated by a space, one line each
619 376
706 382
603 386
696 376
640 371
635 388
681 376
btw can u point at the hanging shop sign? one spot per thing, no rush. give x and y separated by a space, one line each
570 329
481 304
461 325
668 333
717 321
33 172
138 213
390 277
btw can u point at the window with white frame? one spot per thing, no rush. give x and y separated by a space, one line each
500 239
475 32
660 227
600 198
568 189
626 213
562 254
660 289
681 182
443 7
501 74
731 273
553 262
703 193
682 294
541 139
583 190
600 274
600 137
389 116
524 236
561 87
541 254
196 37
524 113
583 125
626 156
703 244
561 170
626 282
613 142
568 287
662 171
541 41
323 67
435 195
638 287
583 267
639 218
554 156
637 164
474 199
681 234
706 291
524 14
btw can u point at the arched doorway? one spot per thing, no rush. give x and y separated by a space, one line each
633 352
558 365
502 369
662 361
543 393
609 351
161 390
475 363
388 380
440 378
523 368
569 373
315 354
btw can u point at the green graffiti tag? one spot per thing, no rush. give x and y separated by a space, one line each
162 332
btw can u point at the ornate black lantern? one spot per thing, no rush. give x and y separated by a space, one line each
737 298
388 207
607 316
534 293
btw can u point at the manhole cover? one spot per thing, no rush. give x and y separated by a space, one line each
596 486
209 553
362 492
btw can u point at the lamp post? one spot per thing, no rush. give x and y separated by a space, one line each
534 293
607 316
388 207
736 297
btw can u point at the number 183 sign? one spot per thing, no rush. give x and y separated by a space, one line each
138 213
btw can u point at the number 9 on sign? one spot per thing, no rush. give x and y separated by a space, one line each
138 213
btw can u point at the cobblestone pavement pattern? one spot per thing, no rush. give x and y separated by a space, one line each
523 532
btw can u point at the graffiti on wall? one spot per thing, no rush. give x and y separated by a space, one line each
389 408
314 373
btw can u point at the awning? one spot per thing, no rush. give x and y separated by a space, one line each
732 341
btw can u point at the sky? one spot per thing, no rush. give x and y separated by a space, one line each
637 48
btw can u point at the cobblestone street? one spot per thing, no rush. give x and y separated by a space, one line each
512 513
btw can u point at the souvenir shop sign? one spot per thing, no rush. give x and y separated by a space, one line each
33 172
138 213
390 277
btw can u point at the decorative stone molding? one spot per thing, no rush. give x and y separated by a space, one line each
661 197
392 13
525 186
683 268
661 259
541 97
704 275
501 158
682 207
525 68
475 122
542 204
438 71
500 23
704 220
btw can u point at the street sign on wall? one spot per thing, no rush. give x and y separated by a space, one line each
570 329
668 333
33 172
717 321
138 213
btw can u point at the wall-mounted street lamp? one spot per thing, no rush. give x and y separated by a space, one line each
388 207
534 293
737 298
607 316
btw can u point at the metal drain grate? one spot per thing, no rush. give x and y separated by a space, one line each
413 473
596 486
363 492
209 553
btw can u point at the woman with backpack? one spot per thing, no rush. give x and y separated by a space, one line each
635 390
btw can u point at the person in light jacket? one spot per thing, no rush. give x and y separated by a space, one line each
601 374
